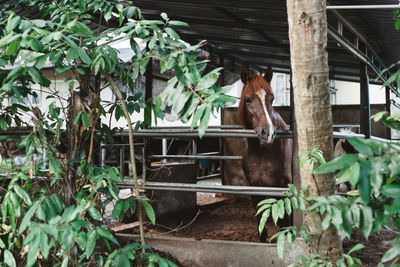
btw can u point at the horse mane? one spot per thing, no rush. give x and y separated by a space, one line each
250 89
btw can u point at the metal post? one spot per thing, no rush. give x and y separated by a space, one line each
121 161
164 149
292 117
388 105
365 109
149 81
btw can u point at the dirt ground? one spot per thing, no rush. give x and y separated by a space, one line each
233 219
375 246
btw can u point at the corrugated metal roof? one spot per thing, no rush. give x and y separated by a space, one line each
256 32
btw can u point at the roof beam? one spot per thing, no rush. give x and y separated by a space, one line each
222 23
227 40
364 7
273 5
245 22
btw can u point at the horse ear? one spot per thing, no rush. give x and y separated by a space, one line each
268 74
244 75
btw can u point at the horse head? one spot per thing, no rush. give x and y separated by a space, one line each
255 107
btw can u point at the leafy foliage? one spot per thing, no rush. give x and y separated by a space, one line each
374 170
42 224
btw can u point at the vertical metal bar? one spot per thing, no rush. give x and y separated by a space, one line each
149 81
364 98
367 109
388 105
164 149
144 169
121 160
103 156
222 63
292 115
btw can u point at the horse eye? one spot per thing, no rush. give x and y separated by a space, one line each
247 99
272 100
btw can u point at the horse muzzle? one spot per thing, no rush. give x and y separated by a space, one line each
265 136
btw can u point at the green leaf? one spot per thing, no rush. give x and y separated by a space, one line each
355 212
39 23
106 234
22 194
79 27
391 254
122 260
149 211
13 48
280 243
95 214
9 259
281 209
336 217
91 243
36 76
180 103
295 203
263 220
207 81
164 16
288 206
275 213
44 245
83 56
364 186
172 33
339 163
13 23
65 261
361 145
40 61
356 248
117 209
76 120
28 216
54 167
3 124
178 23
367 221
85 119
354 173
325 223
391 190
204 120
197 115
347 222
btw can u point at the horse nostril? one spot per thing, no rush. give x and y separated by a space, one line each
263 132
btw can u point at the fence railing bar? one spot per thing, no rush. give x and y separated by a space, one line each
195 157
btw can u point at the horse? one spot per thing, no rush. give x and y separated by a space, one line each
266 161
343 147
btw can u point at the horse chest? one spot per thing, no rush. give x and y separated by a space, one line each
264 168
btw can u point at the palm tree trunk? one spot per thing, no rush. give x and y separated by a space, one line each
309 60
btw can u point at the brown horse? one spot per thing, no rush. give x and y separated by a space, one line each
266 161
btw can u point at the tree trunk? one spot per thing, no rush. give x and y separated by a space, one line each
309 60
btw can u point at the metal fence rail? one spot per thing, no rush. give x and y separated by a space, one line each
195 157
217 133
225 189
